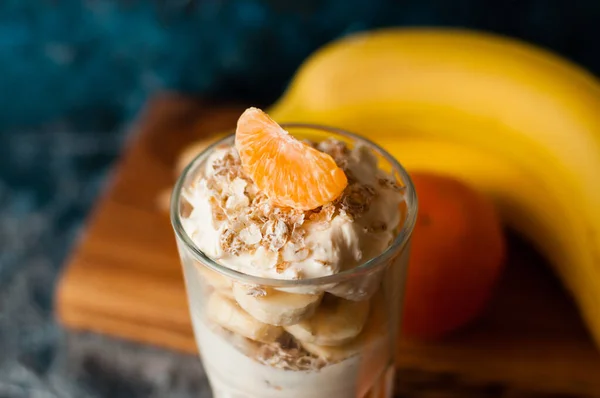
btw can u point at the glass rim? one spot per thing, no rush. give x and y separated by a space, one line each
397 245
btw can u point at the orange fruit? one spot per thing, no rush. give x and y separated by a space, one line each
457 257
291 173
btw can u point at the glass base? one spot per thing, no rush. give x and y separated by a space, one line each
382 388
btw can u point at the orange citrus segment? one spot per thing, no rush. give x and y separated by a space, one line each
291 173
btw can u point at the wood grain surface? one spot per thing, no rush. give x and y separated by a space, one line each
124 279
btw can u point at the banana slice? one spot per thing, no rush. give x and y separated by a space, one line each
226 313
336 322
219 282
275 307
333 354
373 337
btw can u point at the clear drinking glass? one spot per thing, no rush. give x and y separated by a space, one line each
243 368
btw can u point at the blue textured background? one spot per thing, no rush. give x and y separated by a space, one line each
96 61
72 73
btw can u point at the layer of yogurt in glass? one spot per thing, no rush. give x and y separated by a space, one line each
317 340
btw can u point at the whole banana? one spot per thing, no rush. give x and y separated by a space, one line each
513 120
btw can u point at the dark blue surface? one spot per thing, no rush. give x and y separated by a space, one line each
73 72
99 59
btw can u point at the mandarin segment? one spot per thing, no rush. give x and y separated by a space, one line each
291 173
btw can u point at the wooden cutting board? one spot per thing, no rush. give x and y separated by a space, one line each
124 279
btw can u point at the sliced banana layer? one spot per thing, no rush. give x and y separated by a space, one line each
219 282
226 313
373 336
336 322
275 307
333 353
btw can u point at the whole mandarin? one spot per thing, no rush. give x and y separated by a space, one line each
457 256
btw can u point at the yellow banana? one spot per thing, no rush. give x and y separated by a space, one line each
523 203
515 121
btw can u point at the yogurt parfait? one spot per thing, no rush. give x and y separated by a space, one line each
294 241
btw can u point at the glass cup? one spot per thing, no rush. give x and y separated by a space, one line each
246 357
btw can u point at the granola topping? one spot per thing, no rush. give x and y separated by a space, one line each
285 354
246 223
255 222
288 357
256 291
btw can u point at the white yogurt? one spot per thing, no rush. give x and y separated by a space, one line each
233 375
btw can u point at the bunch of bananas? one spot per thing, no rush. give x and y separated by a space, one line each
512 120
